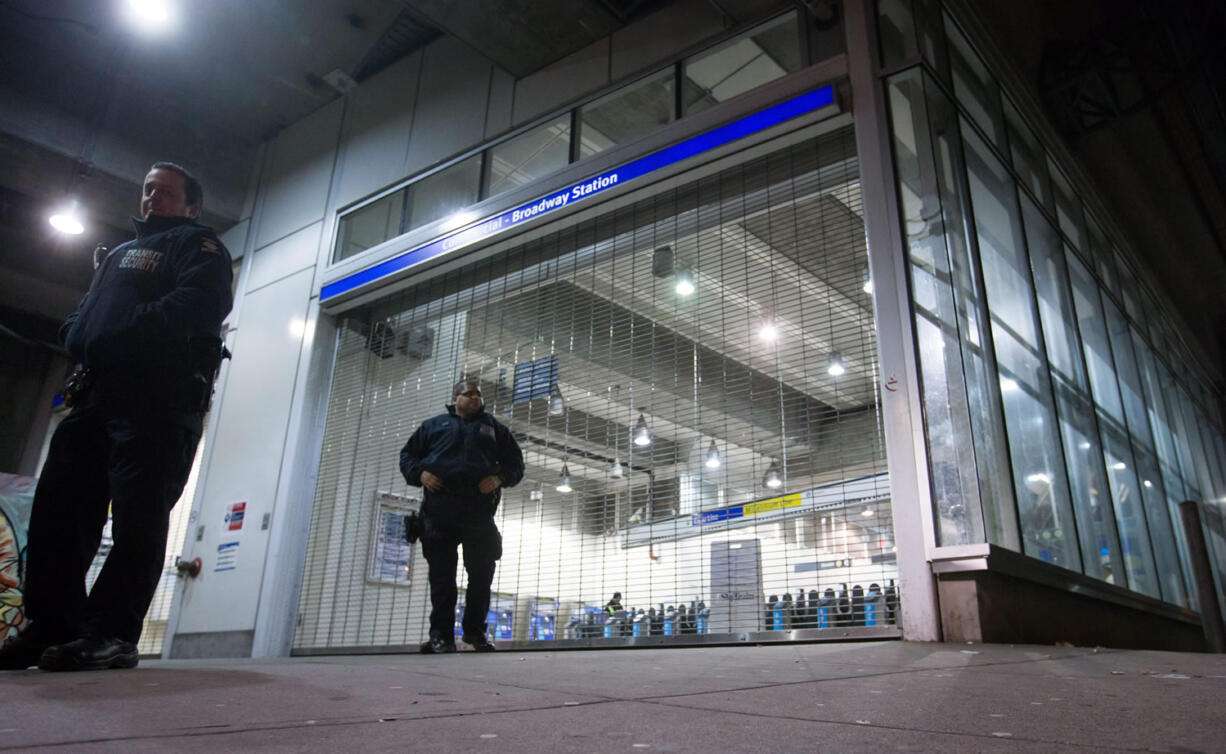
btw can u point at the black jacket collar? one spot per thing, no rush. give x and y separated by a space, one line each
157 224
451 410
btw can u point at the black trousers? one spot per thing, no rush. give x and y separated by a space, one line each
98 455
482 544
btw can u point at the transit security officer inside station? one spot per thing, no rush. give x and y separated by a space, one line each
463 459
147 337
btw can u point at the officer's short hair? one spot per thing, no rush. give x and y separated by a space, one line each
463 384
193 191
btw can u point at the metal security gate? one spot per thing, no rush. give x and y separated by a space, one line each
692 378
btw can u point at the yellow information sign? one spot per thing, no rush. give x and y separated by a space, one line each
773 504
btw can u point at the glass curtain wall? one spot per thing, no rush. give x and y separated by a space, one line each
1056 425
692 378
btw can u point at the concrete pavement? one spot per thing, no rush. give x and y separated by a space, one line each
878 696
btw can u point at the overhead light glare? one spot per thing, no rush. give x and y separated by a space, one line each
684 285
713 461
458 220
769 332
773 479
152 15
1119 465
67 222
642 435
834 365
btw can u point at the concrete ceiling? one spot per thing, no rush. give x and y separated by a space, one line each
90 102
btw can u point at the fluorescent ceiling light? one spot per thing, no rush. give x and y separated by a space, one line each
151 15
67 221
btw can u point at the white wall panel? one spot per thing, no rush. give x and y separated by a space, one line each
662 34
235 239
450 111
378 119
252 416
299 174
554 85
281 258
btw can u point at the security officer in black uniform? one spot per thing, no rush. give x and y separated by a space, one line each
462 458
147 335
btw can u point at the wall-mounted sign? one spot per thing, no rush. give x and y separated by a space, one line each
587 188
391 556
227 557
235 513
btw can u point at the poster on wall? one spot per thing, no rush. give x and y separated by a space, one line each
227 557
391 556
16 501
235 513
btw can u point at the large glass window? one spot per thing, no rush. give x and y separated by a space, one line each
1104 258
1100 549
371 225
764 54
1033 333
434 197
970 479
1068 209
1129 378
1129 510
896 32
1096 343
1040 484
444 193
529 156
974 87
1028 157
626 114
674 360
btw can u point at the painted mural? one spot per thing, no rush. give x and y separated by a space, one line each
16 500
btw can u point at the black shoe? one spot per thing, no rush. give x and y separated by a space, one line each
479 643
22 651
90 654
434 646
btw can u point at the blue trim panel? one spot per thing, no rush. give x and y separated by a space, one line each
695 145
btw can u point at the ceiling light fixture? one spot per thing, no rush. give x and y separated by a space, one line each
769 332
773 479
713 461
67 220
556 407
641 435
151 15
617 471
685 283
834 365
564 483
868 283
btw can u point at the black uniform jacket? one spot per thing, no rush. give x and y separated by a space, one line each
461 453
147 298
